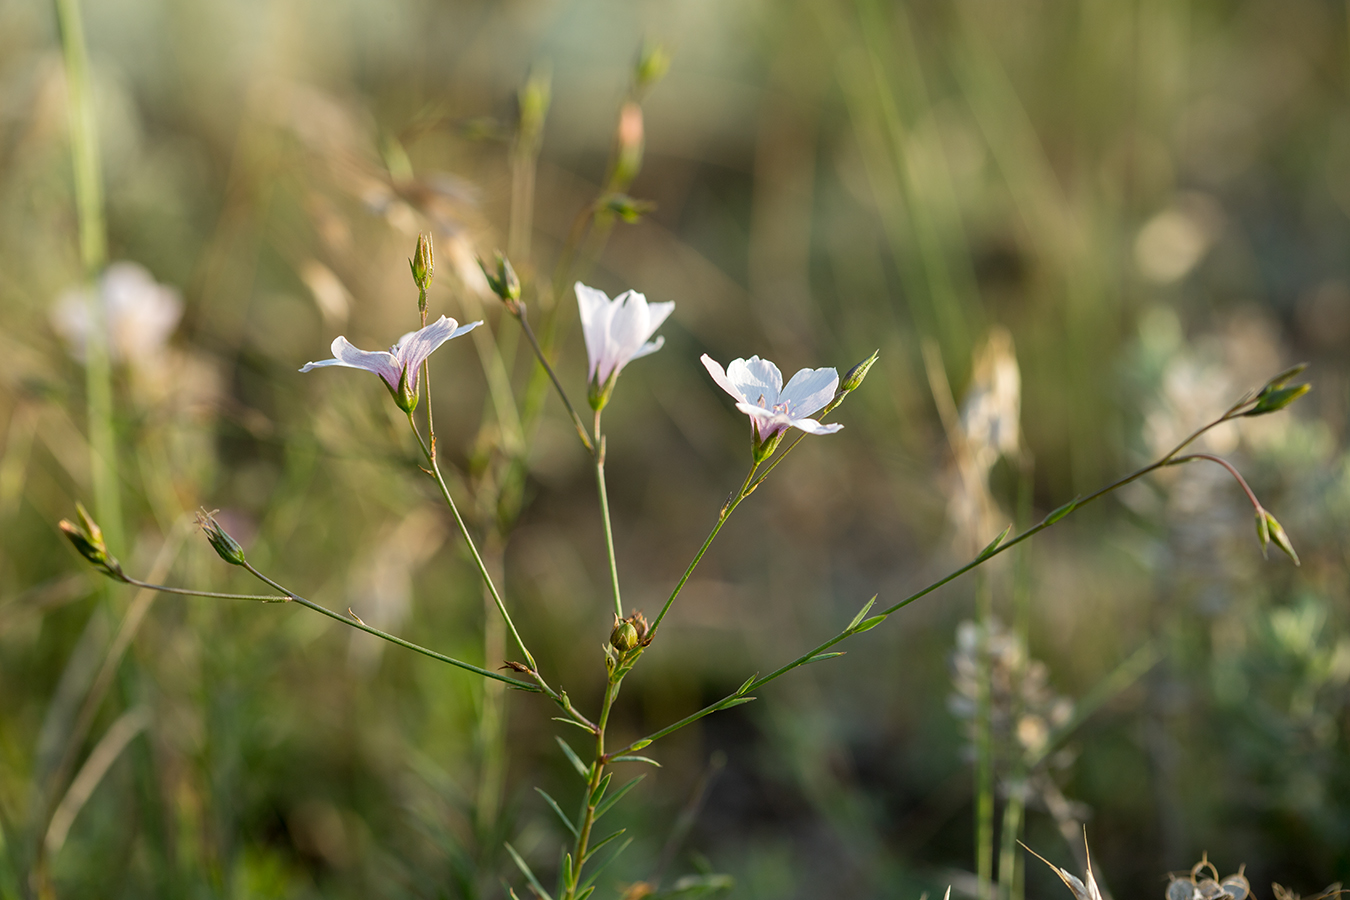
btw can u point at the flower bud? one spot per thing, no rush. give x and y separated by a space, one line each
629 141
652 64
853 378
422 264
226 547
504 283
624 637
1275 396
1277 535
87 538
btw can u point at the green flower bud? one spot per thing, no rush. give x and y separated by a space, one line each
652 64
630 209
422 264
504 283
1279 538
624 637
87 539
226 547
853 378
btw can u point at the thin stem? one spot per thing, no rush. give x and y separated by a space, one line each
543 361
219 595
727 510
604 515
589 802
1054 517
1227 465
408 645
435 472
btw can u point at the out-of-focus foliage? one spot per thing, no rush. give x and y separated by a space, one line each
1151 197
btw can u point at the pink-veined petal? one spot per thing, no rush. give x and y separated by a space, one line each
413 349
382 363
811 426
809 390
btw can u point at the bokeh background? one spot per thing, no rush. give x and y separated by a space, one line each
1151 198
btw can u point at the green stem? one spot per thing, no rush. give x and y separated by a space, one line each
188 592
435 473
589 802
984 744
727 510
599 443
408 645
1045 523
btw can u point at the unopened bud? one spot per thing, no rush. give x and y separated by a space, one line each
422 264
1269 401
652 64
629 141
1277 535
624 637
226 547
504 283
87 538
853 378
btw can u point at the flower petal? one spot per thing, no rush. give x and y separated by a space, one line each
595 310
413 349
756 378
811 426
382 363
649 348
719 375
809 390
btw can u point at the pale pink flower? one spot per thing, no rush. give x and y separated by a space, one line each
617 331
773 407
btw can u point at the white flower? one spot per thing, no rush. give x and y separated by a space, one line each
399 367
617 330
773 407
138 315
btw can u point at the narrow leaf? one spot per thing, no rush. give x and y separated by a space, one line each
861 613
642 743
1062 511
616 797
595 873
600 843
571 722
994 544
558 809
529 875
637 759
743 688
599 792
869 624
571 755
736 702
819 656
567 869
586 893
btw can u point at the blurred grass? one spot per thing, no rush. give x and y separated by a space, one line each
1151 196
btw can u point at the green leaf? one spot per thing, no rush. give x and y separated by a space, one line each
571 755
1062 511
819 656
567 869
640 744
600 843
993 545
862 612
595 873
735 702
616 797
599 792
869 624
571 722
698 884
636 759
558 809
529 875
1283 378
586 893
745 686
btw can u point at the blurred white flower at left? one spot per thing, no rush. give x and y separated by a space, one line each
139 313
